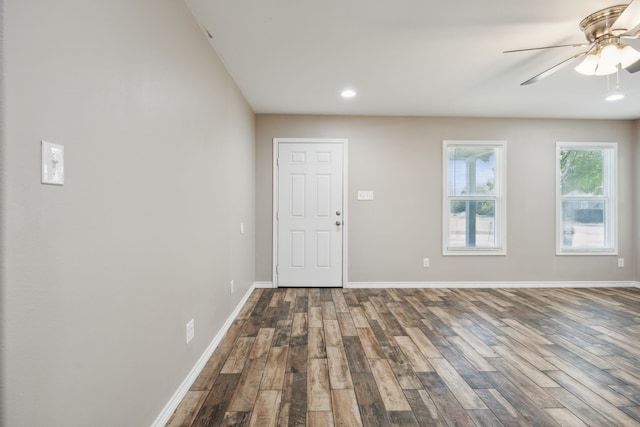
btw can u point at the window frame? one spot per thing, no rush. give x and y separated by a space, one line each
500 199
610 214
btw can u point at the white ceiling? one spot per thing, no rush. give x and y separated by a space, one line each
411 57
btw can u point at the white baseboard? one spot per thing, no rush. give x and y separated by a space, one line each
485 285
264 285
481 285
177 397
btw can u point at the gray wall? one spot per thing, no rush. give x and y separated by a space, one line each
636 199
102 274
2 215
400 159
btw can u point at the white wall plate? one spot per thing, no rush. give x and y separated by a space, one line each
52 164
365 195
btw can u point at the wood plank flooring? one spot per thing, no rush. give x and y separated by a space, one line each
424 357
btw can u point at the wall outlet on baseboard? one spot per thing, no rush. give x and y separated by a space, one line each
425 262
190 331
620 262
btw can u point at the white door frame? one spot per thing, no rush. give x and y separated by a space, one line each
345 215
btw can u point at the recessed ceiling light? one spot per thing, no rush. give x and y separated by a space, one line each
348 93
615 96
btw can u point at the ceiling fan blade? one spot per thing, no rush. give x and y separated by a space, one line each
634 68
553 69
629 19
548 47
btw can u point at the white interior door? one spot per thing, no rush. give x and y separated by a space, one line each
309 215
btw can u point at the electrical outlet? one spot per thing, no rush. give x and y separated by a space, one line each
425 262
242 228
231 285
620 262
190 330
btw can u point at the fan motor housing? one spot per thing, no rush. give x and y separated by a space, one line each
598 25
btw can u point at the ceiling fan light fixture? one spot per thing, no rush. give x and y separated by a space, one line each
588 65
628 56
610 54
605 69
609 60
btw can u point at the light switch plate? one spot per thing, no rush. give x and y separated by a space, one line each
52 170
190 331
365 195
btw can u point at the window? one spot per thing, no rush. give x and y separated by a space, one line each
586 198
474 216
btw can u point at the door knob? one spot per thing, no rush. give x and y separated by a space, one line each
338 213
338 223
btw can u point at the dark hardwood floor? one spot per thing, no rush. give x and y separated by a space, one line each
424 357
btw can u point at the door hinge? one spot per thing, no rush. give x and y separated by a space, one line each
277 268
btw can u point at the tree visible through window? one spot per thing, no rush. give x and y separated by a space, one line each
474 197
586 198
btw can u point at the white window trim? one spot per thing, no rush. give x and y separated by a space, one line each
613 200
500 198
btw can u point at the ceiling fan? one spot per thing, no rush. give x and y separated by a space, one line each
605 53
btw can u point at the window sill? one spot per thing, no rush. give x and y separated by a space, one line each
608 252
474 252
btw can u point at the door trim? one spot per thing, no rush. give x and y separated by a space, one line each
345 210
